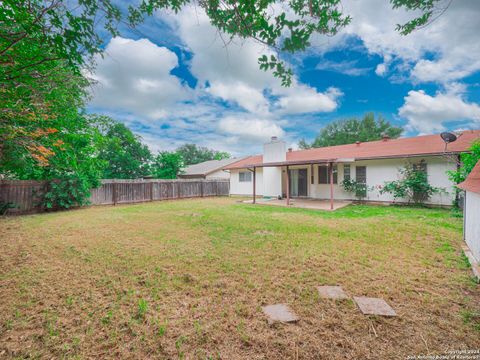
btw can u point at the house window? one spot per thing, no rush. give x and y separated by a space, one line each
323 175
361 178
244 176
421 166
346 172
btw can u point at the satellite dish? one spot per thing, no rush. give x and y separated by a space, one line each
448 137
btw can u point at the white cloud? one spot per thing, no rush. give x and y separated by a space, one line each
446 50
252 130
249 98
381 69
304 99
230 67
350 68
427 114
134 76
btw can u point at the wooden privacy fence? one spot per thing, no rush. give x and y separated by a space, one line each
26 195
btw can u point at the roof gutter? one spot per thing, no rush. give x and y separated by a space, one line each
340 160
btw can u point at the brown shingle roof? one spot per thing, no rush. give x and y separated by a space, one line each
403 147
472 182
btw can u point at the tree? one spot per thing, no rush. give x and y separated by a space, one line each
70 166
468 160
70 30
303 144
352 130
167 165
193 154
122 151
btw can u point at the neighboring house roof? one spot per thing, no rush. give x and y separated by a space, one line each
389 148
207 167
472 182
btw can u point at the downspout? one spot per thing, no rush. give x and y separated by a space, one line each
288 188
330 167
254 183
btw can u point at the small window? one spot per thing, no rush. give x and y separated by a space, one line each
323 175
245 176
346 172
421 166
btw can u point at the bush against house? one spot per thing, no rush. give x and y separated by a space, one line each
358 189
413 185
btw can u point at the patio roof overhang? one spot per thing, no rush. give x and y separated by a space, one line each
301 162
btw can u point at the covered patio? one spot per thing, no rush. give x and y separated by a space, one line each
301 202
316 204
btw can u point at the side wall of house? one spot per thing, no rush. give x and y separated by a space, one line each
245 188
472 223
219 174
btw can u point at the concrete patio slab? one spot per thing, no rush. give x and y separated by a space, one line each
332 292
280 313
374 306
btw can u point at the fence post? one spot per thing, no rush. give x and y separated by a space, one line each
114 192
201 187
151 191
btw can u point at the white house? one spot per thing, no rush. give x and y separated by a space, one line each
318 173
212 169
471 231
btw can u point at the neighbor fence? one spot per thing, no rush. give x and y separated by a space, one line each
26 195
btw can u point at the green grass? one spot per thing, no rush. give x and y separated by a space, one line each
187 279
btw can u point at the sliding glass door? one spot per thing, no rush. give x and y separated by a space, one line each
298 182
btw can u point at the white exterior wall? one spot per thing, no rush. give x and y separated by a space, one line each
472 223
274 151
378 172
245 188
219 174
381 171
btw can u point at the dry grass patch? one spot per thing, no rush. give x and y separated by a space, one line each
187 279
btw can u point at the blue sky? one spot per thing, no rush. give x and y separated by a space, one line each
173 80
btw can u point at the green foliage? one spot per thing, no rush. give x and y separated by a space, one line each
4 206
167 165
352 130
304 145
426 8
413 185
468 161
352 186
193 154
142 309
122 151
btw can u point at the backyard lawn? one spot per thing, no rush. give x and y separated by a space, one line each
187 279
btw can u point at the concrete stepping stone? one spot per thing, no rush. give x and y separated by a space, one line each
332 292
374 306
280 312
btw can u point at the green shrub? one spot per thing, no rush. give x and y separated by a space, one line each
413 185
356 188
4 206
68 191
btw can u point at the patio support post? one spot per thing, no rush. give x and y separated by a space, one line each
254 183
330 168
288 188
